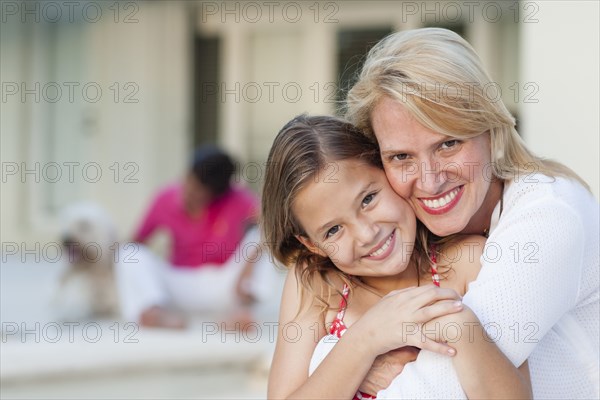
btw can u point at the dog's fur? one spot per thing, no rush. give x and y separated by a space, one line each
88 287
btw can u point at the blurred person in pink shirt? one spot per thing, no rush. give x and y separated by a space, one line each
205 216
211 224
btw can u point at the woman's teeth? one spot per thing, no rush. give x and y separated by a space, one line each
442 201
383 248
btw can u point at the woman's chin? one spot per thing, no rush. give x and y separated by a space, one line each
444 227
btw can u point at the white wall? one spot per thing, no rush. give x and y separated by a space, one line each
560 55
152 53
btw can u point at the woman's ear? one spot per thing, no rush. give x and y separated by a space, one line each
313 248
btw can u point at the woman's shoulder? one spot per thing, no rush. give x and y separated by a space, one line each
538 191
240 200
530 186
169 195
242 194
551 212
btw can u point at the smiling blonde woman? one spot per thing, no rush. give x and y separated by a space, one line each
450 148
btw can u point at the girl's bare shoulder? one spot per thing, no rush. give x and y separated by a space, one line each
315 293
461 258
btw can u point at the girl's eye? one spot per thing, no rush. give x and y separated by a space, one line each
368 199
332 231
449 144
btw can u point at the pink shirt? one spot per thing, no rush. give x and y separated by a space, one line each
211 237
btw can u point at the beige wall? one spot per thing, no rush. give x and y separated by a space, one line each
296 46
558 53
544 56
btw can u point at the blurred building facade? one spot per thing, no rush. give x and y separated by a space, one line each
104 101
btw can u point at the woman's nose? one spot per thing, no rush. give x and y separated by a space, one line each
431 177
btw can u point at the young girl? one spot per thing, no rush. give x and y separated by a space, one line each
361 281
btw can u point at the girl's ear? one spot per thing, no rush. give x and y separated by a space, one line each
313 248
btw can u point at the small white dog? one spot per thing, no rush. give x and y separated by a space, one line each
88 287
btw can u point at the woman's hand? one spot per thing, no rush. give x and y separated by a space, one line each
397 319
386 367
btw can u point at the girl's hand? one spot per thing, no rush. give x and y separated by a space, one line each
397 319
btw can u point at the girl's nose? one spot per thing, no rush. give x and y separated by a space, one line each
366 232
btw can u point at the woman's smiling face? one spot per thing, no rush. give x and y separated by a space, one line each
354 217
444 179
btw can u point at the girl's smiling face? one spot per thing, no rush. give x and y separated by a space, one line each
350 213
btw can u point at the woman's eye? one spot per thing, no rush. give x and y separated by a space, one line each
368 199
332 231
449 144
399 157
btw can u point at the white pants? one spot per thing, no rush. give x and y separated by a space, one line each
145 280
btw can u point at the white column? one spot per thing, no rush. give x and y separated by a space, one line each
319 68
481 34
559 63
234 60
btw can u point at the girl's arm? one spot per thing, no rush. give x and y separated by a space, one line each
384 327
340 373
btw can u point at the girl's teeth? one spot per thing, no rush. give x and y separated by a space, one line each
382 248
442 201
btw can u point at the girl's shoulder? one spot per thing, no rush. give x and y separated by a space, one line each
459 260
314 294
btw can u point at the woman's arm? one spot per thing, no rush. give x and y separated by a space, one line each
479 369
531 274
482 369
150 220
531 271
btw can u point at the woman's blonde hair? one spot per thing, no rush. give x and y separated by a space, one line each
437 76
303 151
